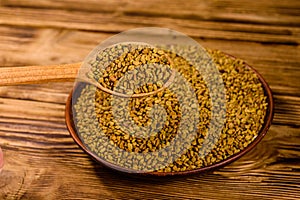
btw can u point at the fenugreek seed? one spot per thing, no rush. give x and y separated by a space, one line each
230 141
129 146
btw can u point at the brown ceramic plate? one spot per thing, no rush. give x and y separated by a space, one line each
267 122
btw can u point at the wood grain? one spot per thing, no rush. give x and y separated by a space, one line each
38 74
43 162
87 21
274 12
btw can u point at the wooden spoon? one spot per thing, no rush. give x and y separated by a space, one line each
61 73
38 74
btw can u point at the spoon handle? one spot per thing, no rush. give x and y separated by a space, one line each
38 74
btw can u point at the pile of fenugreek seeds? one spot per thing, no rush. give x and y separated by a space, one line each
94 120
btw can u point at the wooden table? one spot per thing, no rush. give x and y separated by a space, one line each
43 162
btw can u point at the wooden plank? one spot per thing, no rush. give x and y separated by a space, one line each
31 46
109 22
218 10
49 93
55 46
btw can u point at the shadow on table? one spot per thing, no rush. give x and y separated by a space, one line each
118 182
